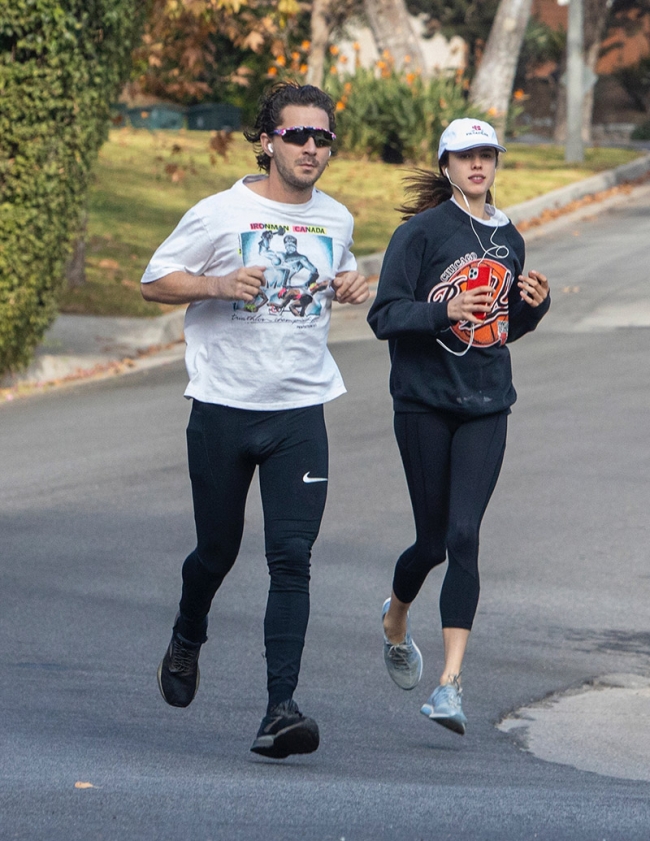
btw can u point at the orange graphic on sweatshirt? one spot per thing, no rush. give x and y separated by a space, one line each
494 329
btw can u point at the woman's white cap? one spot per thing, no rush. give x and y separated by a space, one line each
468 134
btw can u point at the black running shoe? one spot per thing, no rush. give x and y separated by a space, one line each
285 730
178 674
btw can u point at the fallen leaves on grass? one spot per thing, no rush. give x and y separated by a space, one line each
220 141
593 198
175 172
101 370
107 263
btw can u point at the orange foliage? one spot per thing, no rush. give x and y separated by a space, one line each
177 48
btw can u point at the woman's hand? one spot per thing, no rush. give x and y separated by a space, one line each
534 288
464 306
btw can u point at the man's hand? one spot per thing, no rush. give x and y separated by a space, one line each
350 288
240 285
184 288
462 307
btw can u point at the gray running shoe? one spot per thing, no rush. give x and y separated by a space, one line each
445 707
403 661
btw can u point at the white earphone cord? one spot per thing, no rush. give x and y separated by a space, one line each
494 250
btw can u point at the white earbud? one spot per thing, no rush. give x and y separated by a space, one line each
270 148
329 153
446 171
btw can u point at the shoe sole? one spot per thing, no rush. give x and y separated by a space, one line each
162 692
454 724
297 738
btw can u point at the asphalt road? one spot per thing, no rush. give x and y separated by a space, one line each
96 519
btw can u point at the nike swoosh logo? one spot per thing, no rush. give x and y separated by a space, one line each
307 479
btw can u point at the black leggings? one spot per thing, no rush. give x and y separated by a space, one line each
452 466
224 447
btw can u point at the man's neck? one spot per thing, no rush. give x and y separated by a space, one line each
276 190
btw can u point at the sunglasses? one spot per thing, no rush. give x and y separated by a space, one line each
299 135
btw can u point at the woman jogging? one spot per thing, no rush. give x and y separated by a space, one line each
451 295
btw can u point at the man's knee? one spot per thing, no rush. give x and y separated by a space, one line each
289 563
209 561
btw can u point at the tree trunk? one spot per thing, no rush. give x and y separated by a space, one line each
322 22
596 14
391 26
596 17
492 86
75 270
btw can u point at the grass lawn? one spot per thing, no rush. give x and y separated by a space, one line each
145 181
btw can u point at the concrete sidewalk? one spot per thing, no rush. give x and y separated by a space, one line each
86 347
602 726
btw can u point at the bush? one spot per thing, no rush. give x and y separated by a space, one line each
61 63
635 81
641 132
397 116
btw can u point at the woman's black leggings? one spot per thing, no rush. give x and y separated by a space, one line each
452 466
225 445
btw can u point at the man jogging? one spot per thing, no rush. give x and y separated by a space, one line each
259 374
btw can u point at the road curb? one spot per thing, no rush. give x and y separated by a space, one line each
563 196
80 346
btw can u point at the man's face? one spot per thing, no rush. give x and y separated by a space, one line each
299 167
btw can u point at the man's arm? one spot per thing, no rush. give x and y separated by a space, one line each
350 286
183 288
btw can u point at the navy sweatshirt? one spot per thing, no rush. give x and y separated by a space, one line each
428 262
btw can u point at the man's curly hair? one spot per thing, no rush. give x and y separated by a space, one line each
272 103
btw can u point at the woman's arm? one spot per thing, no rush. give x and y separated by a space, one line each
395 312
530 300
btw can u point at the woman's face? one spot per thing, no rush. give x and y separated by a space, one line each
473 170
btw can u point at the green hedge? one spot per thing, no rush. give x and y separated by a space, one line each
641 132
61 63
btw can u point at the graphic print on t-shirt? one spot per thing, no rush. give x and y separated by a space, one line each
299 262
494 329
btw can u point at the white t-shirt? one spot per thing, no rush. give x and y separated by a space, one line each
272 353
496 218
